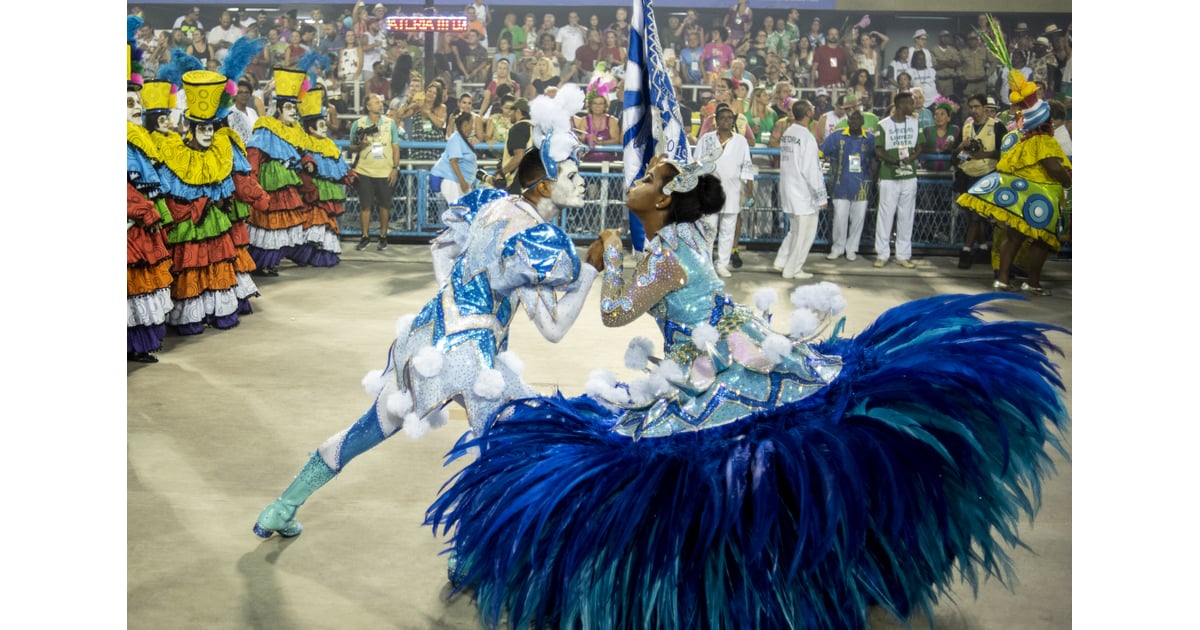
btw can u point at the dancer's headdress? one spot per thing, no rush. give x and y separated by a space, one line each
207 96
1023 92
290 84
158 96
312 104
552 129
689 174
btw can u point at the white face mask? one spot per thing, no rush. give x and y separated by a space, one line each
133 107
287 114
163 124
322 129
568 189
204 135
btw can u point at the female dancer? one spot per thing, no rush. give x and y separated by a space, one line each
754 479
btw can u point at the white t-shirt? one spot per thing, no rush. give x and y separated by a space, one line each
733 167
570 38
801 182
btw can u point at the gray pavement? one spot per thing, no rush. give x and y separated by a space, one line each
223 422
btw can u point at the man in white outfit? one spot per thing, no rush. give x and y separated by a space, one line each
801 188
733 169
897 148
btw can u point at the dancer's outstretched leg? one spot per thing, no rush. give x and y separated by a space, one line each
323 465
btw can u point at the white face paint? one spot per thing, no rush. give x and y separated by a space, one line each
322 129
567 191
163 123
287 113
204 135
133 107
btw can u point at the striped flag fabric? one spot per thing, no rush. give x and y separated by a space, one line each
650 120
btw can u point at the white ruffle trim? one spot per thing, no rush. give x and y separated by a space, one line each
245 286
325 239
193 310
148 309
276 239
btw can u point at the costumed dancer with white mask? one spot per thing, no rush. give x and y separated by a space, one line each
499 253
148 262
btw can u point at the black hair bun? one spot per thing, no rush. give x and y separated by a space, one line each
711 194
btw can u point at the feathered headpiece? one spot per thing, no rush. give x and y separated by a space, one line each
1022 92
552 129
240 54
311 60
689 174
180 64
945 103
133 62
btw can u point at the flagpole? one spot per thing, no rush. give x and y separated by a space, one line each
650 120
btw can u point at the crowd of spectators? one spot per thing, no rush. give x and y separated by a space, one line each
768 55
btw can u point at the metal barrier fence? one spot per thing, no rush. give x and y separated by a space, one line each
416 210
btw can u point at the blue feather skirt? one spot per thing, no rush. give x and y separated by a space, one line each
907 473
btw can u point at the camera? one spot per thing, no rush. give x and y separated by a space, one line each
364 132
972 146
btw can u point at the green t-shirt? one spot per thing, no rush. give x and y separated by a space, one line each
518 36
898 140
870 123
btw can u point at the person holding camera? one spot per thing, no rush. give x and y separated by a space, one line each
977 156
376 145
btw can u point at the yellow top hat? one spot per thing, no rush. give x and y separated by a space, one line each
311 103
158 94
204 90
289 83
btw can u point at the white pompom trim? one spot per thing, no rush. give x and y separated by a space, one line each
489 384
428 362
373 382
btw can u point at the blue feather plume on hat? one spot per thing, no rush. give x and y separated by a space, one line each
180 63
311 60
240 54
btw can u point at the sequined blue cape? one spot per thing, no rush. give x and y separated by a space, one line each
907 472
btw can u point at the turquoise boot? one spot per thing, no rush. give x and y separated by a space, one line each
280 516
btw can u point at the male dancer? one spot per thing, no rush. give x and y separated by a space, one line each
456 347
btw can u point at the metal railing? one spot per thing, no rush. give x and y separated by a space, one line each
416 212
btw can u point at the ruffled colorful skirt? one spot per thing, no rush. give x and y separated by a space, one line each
321 244
911 468
204 258
276 232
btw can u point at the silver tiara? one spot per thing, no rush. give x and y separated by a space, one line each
689 174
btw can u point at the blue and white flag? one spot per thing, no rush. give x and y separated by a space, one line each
650 119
